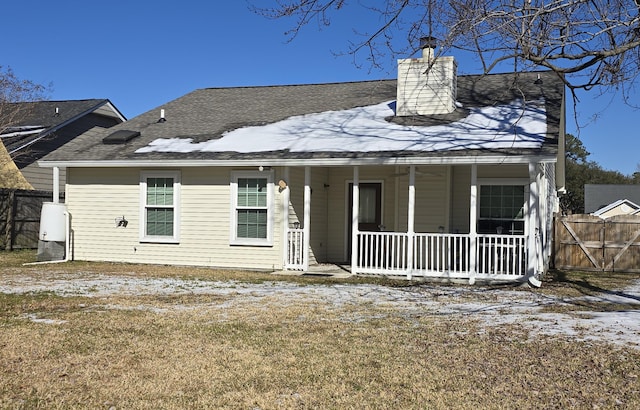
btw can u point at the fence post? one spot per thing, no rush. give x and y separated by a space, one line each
603 242
11 215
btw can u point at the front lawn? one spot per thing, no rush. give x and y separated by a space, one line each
245 350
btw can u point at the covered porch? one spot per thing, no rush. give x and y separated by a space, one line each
444 251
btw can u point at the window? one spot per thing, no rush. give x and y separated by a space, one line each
252 208
502 209
159 199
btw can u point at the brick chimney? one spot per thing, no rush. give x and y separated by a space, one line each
427 85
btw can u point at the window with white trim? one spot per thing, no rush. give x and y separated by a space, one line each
159 202
502 209
252 208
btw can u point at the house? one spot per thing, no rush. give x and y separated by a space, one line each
599 196
30 130
619 207
430 175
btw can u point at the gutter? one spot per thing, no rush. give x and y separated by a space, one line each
454 160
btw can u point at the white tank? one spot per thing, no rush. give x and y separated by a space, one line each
52 222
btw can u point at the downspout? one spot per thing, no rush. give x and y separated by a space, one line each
67 215
56 185
67 221
67 243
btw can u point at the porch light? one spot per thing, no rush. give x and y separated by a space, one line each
121 222
296 225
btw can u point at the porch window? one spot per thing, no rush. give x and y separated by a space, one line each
502 209
159 199
252 208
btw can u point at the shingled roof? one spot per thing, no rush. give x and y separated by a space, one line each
211 114
24 124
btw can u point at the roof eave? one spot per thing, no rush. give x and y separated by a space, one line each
294 162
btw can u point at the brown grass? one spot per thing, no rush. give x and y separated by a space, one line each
148 352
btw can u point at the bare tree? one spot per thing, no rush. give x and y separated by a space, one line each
15 98
589 43
15 90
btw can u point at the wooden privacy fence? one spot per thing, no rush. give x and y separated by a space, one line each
586 242
20 217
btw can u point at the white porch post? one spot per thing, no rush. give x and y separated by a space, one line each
354 219
411 218
543 217
307 215
56 185
286 196
534 203
473 217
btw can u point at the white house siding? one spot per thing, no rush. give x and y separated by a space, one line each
336 224
96 197
503 171
431 199
460 191
321 210
337 202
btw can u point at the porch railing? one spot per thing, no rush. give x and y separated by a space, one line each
441 255
380 252
502 255
295 249
427 255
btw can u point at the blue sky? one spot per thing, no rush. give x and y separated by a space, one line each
142 54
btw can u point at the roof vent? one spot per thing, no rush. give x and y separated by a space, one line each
120 137
162 118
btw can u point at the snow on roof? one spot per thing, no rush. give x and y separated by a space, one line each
365 129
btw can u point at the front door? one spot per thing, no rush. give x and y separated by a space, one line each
369 211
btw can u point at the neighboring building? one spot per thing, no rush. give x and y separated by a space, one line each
30 130
432 175
620 207
598 196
